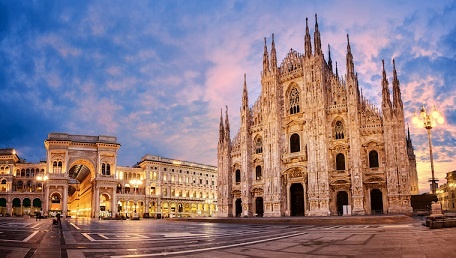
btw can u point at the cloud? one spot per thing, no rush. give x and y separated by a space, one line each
156 74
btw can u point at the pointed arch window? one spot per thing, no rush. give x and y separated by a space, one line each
339 130
373 159
294 101
340 161
295 143
258 174
259 145
238 176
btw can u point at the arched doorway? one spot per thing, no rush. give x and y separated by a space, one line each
342 199
105 206
297 200
259 206
80 190
56 204
376 201
26 204
17 208
3 206
238 207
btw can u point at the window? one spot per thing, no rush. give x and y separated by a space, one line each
339 130
57 167
258 145
373 159
258 172
340 161
20 184
238 176
295 145
294 101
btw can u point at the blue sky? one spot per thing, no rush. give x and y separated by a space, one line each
156 73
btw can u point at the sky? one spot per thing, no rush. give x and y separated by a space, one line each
156 74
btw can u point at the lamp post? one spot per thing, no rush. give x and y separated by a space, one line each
42 178
429 121
135 183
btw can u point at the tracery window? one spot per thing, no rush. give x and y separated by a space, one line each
259 145
340 161
339 130
294 101
258 174
373 159
295 143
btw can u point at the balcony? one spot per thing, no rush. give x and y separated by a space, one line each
294 157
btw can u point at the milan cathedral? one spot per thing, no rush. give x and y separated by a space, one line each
313 145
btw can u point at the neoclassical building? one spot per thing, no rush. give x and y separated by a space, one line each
80 178
313 145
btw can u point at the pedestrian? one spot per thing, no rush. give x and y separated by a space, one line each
58 218
37 214
41 214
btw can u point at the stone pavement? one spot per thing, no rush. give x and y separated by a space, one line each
331 220
355 236
50 245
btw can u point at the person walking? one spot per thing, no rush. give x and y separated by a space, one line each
37 214
58 218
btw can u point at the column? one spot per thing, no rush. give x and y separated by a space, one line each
46 201
97 202
9 205
65 201
114 203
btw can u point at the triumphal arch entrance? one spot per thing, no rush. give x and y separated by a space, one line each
81 175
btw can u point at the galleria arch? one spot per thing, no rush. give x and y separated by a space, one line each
77 166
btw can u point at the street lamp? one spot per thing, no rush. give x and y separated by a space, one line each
42 178
429 121
135 183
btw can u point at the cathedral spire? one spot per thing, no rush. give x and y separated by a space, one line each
245 97
408 132
397 100
227 126
221 128
330 63
337 73
273 55
265 58
386 100
307 45
350 65
317 39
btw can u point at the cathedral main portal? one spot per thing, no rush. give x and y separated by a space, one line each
297 200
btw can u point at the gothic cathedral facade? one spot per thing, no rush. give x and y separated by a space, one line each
313 145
